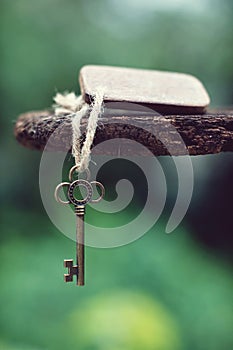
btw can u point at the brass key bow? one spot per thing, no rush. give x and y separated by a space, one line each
79 205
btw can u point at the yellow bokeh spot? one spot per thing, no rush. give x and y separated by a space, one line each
123 321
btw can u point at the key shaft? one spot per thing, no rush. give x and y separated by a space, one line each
80 244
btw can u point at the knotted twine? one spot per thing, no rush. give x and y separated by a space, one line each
77 108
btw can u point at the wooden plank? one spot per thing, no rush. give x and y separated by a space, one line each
165 92
202 134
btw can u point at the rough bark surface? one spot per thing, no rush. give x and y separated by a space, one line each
202 134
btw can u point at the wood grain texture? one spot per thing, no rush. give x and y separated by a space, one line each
202 134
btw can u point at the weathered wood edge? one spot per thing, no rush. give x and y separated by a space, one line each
202 134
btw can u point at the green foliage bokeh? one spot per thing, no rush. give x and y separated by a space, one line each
161 292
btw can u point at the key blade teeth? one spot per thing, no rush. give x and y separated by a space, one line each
72 270
68 263
68 278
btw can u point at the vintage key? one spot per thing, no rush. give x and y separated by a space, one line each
79 205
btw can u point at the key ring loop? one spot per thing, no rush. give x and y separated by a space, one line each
56 193
76 184
75 168
101 186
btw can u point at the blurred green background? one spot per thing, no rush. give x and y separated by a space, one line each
161 292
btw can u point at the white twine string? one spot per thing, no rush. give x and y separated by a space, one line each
77 108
